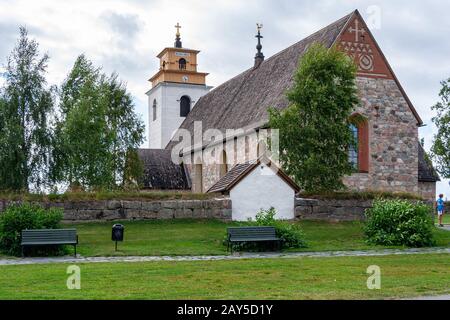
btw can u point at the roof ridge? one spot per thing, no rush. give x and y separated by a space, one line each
348 16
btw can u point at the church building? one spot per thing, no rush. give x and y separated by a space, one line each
389 156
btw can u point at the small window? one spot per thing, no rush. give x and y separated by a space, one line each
154 109
182 64
353 149
185 106
358 155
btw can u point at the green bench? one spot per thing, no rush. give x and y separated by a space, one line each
44 237
251 234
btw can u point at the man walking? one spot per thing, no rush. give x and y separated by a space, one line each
440 208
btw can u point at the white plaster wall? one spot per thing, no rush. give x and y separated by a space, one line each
262 189
155 126
168 97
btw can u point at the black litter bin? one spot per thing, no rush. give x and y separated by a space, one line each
117 233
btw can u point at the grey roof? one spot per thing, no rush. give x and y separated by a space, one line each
426 171
160 172
239 171
244 99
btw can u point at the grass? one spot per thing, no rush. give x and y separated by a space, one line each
205 237
445 218
360 195
299 278
106 195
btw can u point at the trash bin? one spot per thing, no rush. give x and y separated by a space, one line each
117 233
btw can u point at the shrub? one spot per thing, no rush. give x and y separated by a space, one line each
399 222
24 216
290 234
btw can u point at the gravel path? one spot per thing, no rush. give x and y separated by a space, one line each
325 254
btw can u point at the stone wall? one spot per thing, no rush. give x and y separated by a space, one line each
427 190
333 210
393 139
128 210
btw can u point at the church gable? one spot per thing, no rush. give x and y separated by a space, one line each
359 43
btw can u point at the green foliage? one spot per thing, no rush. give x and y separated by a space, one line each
291 234
106 195
399 222
440 151
97 132
359 195
24 216
26 107
314 129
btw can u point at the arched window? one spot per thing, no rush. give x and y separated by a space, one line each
185 106
182 64
223 164
353 149
154 109
358 154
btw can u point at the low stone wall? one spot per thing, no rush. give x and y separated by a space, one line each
128 210
332 209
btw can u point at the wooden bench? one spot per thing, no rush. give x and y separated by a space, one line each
251 234
43 237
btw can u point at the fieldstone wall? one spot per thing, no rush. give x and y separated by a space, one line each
427 190
219 208
393 139
333 210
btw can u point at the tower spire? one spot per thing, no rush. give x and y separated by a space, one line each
259 57
177 36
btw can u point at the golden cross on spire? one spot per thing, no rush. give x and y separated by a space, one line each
178 29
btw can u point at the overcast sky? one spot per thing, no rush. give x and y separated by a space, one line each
125 36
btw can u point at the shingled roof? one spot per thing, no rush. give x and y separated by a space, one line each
426 170
243 100
160 172
239 171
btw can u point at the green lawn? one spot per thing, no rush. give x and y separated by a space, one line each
205 237
299 278
445 219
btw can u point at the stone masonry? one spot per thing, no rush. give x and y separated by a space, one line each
393 139
219 208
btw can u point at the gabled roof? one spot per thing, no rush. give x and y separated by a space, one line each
426 171
240 171
242 101
160 172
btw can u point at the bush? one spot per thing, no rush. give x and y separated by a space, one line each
399 223
24 216
290 234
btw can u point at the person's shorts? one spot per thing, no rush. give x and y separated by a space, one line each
440 212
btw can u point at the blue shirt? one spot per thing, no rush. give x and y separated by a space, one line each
440 204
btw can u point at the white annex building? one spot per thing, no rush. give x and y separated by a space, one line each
258 185
176 87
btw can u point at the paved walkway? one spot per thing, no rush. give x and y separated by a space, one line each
443 297
324 254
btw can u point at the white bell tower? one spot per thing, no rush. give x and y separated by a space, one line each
176 87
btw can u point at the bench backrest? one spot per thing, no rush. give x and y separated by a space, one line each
251 232
49 235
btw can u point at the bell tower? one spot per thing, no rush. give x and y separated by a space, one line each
176 87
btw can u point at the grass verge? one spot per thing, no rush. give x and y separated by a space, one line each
299 278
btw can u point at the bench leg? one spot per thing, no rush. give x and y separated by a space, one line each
75 248
23 253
